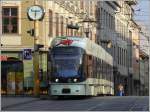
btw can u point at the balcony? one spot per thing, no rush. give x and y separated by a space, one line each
131 2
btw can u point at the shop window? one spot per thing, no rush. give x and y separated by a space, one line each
12 77
9 20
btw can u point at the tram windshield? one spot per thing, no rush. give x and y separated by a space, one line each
67 61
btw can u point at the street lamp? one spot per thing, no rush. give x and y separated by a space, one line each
87 29
71 26
85 20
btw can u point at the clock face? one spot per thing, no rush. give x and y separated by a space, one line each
35 12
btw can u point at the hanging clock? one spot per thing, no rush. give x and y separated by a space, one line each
35 12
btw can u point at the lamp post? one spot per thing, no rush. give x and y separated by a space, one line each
87 29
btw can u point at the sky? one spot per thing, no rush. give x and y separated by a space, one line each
142 16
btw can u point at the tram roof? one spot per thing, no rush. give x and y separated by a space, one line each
89 46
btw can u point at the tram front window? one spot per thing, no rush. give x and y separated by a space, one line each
66 63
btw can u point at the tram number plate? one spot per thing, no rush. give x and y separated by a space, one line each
66 90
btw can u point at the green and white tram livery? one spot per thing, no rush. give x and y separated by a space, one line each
80 67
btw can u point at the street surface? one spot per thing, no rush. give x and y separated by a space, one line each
106 103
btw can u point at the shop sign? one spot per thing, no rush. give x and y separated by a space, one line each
3 58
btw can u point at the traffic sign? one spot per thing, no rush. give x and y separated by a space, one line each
27 54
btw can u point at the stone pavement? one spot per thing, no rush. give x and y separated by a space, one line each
10 101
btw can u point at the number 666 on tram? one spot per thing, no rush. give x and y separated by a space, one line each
79 67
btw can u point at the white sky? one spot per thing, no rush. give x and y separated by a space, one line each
143 16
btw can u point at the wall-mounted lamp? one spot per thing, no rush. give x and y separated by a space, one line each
71 26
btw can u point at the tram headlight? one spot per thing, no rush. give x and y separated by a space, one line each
56 80
75 80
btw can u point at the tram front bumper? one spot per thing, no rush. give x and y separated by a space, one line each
67 89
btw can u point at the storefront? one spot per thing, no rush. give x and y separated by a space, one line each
11 75
17 73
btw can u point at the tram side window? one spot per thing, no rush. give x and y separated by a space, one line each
106 69
96 65
99 68
93 67
107 74
97 73
102 69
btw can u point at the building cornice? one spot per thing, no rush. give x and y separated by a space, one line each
20 48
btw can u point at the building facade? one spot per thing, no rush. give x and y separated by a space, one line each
114 25
17 41
144 73
100 21
144 63
135 58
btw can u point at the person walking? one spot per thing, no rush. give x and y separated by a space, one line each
120 90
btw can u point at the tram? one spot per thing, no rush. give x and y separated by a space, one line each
79 67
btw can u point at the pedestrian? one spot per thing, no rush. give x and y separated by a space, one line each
120 90
41 74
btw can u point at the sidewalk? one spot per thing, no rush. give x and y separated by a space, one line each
10 101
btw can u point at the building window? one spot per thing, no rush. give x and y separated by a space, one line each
82 4
62 25
91 8
57 24
91 37
103 17
50 23
118 55
98 15
66 26
9 20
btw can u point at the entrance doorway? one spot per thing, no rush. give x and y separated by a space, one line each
12 76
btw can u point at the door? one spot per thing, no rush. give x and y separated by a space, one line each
19 83
11 83
12 77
